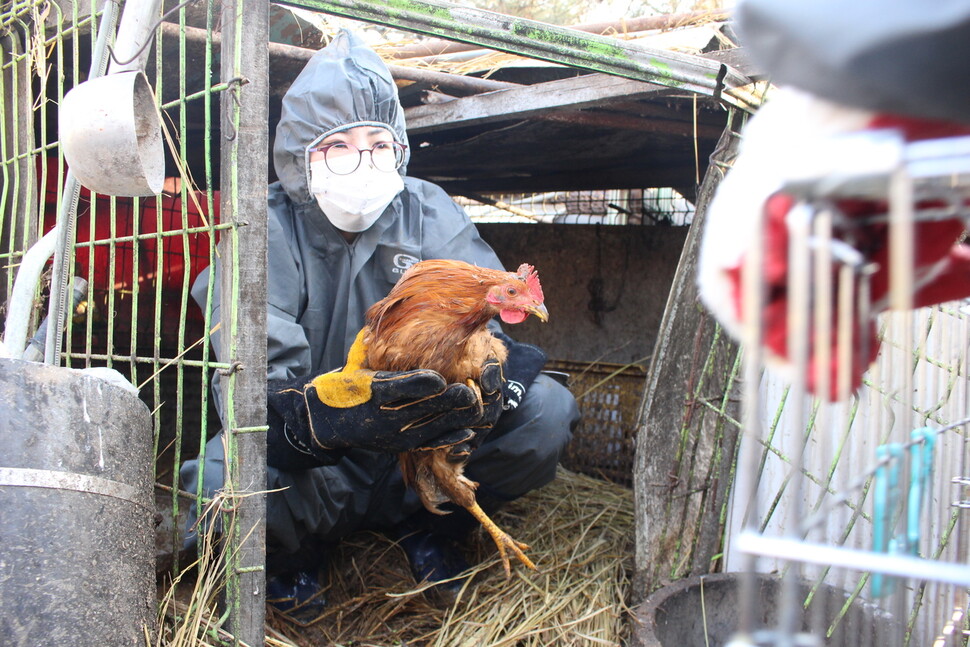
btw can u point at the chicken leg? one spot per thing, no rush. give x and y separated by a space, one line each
502 540
461 490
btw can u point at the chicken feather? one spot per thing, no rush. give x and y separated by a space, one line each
436 318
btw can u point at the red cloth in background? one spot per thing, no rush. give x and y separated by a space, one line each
183 256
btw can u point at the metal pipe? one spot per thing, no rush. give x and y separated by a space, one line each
747 474
34 350
21 299
436 46
454 82
67 215
136 29
904 566
799 336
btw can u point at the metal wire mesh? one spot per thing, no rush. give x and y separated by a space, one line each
133 261
857 493
651 206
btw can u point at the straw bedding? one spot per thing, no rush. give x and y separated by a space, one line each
580 530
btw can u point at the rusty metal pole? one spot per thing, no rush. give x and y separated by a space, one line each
244 163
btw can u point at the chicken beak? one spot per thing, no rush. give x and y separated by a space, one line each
539 311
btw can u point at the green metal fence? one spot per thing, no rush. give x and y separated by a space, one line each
133 260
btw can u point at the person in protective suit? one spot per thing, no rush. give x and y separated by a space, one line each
344 223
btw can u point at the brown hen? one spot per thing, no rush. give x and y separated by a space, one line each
435 318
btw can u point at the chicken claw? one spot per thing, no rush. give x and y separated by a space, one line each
473 385
502 540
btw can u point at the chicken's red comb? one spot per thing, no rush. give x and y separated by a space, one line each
528 274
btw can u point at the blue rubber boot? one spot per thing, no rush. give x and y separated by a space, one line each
298 595
435 558
293 582
432 542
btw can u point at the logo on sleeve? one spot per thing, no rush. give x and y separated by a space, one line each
402 262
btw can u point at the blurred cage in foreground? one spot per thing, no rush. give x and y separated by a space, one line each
609 397
868 492
650 206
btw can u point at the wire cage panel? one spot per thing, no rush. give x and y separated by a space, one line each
859 488
609 398
650 206
132 261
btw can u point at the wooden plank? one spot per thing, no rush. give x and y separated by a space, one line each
571 180
244 145
684 449
527 102
604 118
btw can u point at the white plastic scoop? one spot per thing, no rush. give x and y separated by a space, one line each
109 126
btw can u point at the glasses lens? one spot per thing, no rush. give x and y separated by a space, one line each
342 158
387 156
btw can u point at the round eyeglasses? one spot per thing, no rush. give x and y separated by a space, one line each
343 158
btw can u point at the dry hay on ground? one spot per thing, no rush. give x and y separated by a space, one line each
580 530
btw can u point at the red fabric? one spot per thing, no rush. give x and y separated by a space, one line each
181 255
914 129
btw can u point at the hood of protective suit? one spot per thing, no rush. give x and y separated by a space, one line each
345 84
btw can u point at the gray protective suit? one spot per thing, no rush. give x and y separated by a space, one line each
319 289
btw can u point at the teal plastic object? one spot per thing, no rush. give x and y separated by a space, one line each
885 505
887 496
921 471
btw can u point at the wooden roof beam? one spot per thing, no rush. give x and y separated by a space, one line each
572 180
527 102
456 83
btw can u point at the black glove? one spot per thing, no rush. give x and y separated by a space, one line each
462 442
523 364
313 421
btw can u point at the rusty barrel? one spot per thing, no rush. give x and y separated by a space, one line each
76 510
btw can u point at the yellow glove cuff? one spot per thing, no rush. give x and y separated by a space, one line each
343 390
351 386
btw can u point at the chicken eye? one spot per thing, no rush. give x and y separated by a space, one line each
511 292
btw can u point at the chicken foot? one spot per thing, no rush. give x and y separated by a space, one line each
473 385
502 539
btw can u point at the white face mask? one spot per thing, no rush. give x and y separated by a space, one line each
355 201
